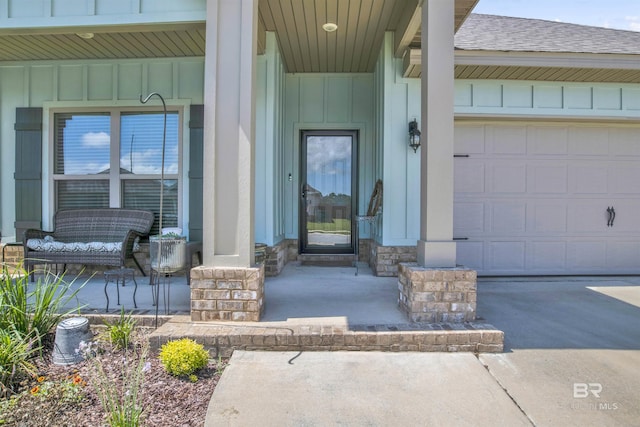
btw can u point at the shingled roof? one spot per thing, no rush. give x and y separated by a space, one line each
502 33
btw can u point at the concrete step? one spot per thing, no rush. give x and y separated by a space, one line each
222 338
334 260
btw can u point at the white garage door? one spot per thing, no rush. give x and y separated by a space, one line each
539 198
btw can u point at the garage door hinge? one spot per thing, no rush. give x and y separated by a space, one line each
460 155
460 238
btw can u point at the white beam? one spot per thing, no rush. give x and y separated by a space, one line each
436 247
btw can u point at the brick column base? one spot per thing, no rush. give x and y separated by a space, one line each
224 293
436 295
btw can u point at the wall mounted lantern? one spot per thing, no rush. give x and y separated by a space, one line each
414 135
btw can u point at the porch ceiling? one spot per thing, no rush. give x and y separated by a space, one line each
355 45
305 46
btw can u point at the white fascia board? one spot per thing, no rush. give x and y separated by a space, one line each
547 59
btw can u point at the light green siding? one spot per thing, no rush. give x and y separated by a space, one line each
270 175
86 13
547 99
84 84
399 104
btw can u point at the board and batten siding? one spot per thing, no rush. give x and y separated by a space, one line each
85 84
327 101
399 103
270 175
85 13
547 99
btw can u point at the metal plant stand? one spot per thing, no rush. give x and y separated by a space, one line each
117 276
367 220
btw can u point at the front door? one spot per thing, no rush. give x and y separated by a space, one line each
328 191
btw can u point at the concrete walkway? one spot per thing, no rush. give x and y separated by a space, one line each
572 352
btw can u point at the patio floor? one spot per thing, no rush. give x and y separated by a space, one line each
306 308
299 292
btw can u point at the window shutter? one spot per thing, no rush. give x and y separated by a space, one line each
196 141
28 170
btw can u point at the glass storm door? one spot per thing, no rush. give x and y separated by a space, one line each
328 191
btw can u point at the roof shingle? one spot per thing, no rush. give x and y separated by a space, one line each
502 33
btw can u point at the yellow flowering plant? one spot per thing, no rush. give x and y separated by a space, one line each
183 357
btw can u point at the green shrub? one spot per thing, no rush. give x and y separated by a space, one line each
15 355
183 357
34 313
119 332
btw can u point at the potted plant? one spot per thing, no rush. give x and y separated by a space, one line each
168 252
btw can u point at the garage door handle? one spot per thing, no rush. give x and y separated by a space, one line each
612 216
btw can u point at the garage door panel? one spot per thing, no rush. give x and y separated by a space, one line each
588 141
547 140
587 217
469 139
470 254
468 218
549 218
508 178
547 256
469 176
510 140
506 257
548 178
589 178
508 218
546 212
627 217
625 142
626 179
623 255
587 256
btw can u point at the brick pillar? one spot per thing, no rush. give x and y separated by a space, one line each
227 293
435 295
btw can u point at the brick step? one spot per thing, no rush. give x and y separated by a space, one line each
221 339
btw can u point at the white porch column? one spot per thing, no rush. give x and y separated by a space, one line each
229 133
436 247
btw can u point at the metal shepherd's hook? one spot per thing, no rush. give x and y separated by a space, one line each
164 137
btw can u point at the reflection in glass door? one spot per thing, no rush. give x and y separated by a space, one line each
328 191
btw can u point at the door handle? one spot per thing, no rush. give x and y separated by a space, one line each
613 218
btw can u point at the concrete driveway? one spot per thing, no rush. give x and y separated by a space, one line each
572 358
572 347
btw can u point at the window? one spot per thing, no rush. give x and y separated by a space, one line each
114 158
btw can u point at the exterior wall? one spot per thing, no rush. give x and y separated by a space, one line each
399 103
85 84
87 13
327 101
269 153
546 99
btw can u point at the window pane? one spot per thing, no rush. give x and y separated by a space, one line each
82 194
145 194
82 143
141 143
